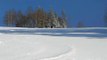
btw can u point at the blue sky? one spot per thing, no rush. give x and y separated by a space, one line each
90 12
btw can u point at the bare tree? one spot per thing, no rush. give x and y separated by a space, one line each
40 16
30 18
10 18
19 19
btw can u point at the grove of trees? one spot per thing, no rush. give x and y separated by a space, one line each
35 18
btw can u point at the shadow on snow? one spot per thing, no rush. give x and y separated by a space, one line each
95 33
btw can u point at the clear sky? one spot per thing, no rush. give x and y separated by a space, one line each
90 12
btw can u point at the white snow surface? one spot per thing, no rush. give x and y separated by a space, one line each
53 44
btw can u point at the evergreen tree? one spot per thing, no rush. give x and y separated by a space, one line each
52 19
64 19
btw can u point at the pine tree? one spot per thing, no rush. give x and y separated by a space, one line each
52 19
64 19
61 22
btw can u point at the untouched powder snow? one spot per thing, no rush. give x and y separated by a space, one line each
53 44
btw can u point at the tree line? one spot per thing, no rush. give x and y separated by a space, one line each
35 18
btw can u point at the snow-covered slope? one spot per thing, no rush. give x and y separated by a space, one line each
53 44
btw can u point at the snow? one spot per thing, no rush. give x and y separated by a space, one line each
53 44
